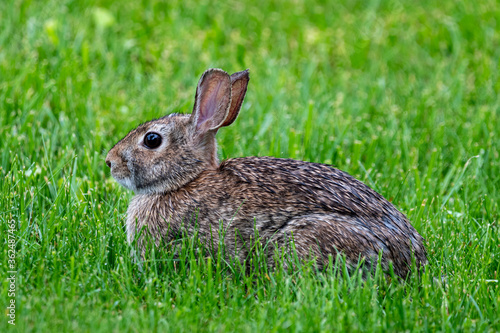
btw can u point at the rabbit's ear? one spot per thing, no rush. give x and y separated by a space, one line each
213 98
239 82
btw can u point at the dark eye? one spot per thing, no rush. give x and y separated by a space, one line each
152 140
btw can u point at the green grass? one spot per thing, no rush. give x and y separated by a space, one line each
401 94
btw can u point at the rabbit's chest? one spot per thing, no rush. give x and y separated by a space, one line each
161 212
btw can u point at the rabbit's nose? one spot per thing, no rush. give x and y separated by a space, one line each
108 163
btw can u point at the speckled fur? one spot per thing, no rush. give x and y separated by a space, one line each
182 188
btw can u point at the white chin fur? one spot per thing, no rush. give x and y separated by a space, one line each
127 183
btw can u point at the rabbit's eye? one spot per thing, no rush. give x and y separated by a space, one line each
152 140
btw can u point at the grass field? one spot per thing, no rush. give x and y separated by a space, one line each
404 95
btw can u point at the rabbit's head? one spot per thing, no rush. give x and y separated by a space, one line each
164 154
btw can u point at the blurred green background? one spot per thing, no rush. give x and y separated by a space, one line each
401 94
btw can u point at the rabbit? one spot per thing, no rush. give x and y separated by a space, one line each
180 186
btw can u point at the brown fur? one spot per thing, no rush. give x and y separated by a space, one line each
181 187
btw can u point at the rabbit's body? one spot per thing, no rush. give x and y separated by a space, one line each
325 209
181 188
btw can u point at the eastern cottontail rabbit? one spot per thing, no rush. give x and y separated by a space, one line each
171 164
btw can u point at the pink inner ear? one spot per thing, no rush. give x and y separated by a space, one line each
209 102
213 101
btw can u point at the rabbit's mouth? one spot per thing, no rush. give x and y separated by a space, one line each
122 175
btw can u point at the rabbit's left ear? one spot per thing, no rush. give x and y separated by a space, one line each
213 99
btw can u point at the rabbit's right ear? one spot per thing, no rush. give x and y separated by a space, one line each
213 99
239 82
